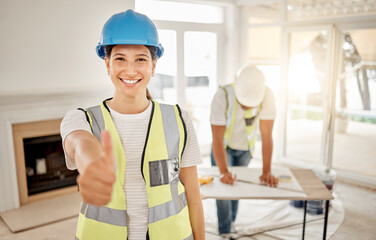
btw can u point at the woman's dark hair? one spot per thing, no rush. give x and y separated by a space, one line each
152 49
108 50
153 52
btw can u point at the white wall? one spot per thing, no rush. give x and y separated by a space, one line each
48 65
49 45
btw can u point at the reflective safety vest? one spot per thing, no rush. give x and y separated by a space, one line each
160 166
251 118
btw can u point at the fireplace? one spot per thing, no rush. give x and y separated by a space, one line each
24 116
41 169
45 165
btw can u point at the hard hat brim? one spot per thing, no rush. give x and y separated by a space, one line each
248 100
101 52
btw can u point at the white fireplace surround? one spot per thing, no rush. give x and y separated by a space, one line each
31 107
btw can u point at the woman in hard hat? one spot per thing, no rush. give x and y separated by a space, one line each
136 157
238 110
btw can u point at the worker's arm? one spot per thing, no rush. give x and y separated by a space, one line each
266 130
95 163
189 178
219 151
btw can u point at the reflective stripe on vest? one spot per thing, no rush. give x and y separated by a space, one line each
168 136
168 210
110 221
97 121
168 172
189 238
251 118
105 215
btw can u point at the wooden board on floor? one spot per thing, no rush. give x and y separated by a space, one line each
42 212
304 185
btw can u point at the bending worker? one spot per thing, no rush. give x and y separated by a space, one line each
237 111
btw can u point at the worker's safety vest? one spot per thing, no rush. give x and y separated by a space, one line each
251 118
160 166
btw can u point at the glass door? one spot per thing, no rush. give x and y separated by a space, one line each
307 94
354 145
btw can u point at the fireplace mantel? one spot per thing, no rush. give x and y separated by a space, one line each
31 107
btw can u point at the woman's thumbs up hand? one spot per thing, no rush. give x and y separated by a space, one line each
97 180
108 155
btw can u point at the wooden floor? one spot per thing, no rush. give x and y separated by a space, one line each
42 212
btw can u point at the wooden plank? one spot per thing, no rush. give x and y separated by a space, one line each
312 185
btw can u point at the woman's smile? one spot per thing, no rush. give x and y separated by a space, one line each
129 82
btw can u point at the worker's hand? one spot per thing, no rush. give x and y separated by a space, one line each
269 180
227 178
96 181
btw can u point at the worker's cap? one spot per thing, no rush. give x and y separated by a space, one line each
249 86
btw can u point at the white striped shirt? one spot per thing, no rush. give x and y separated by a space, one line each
132 130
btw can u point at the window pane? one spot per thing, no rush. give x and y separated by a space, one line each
354 147
267 12
264 44
161 85
307 74
200 70
178 11
272 77
319 9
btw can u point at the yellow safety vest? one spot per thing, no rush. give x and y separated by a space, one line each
160 166
251 118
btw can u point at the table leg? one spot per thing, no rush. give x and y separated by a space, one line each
326 218
304 218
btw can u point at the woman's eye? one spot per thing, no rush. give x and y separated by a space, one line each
141 59
119 59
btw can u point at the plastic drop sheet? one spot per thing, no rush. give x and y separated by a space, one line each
274 219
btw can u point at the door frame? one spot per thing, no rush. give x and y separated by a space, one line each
334 58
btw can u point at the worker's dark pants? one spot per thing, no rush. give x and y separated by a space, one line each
227 209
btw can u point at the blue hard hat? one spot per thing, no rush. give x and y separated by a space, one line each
129 27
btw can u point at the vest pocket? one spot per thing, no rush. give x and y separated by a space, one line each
163 171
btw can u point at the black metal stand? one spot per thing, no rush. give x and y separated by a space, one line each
304 218
326 218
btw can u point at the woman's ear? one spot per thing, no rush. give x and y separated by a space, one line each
153 67
107 61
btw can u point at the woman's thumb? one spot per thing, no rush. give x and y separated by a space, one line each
108 149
